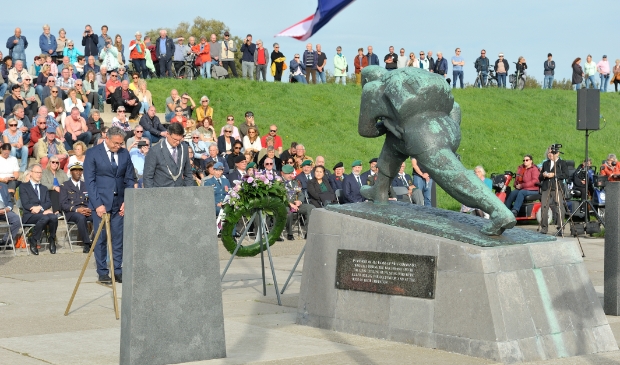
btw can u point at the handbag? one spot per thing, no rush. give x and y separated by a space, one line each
198 62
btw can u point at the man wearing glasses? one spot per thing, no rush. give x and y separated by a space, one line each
249 122
65 83
138 136
482 66
298 70
138 157
227 54
167 163
423 61
457 67
111 86
124 96
108 171
277 140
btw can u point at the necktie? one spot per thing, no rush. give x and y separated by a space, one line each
36 188
219 183
174 154
308 177
359 182
113 162
77 185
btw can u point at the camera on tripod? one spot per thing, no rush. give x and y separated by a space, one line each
555 148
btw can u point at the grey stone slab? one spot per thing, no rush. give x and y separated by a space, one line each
484 349
362 307
172 304
325 222
563 252
422 339
449 343
574 298
459 258
400 240
495 307
514 258
532 349
612 250
605 340
534 300
509 352
517 318
413 314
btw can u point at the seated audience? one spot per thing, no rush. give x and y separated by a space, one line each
220 184
53 176
204 110
48 147
121 121
610 168
55 106
153 129
132 143
526 183
206 129
353 183
76 129
91 88
305 175
123 96
74 203
270 154
94 124
144 96
138 156
415 195
9 168
72 101
79 155
82 94
29 95
214 156
251 142
37 132
188 110
230 120
319 190
65 82
336 179
13 136
277 140
6 210
239 170
171 104
226 143
294 197
179 117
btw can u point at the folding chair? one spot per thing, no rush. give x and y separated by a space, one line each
3 225
402 190
338 193
71 226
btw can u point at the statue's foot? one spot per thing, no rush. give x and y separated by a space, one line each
498 224
371 193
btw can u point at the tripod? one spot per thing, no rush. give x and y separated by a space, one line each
584 199
260 236
554 188
105 220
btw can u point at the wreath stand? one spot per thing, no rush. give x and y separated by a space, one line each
301 254
262 236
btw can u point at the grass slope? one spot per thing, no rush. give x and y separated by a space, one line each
498 126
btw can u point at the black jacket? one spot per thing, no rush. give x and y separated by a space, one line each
561 173
506 66
169 51
317 196
117 96
29 198
577 74
90 45
153 126
549 67
482 64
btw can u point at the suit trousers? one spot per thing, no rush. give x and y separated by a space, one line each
40 221
80 221
116 230
549 200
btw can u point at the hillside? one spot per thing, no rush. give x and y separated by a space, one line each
498 126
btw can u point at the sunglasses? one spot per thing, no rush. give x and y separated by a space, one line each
138 131
135 78
120 111
274 131
205 101
54 92
268 163
55 162
227 131
42 123
48 81
195 137
113 75
27 79
178 111
527 159
230 119
237 148
12 125
296 57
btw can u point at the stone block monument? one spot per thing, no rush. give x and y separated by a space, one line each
172 297
429 277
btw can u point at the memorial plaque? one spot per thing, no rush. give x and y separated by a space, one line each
386 273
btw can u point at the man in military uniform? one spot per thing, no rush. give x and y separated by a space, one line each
220 184
74 202
293 192
368 177
337 178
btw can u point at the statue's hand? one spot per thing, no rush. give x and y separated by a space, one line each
396 130
381 128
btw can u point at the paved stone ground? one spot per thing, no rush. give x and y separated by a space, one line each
34 292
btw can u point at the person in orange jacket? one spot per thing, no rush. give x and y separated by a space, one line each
203 50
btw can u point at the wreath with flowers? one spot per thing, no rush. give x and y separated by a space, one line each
259 192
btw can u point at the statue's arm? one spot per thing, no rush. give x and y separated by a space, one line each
455 113
372 109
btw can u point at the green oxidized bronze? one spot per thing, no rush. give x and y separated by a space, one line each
417 114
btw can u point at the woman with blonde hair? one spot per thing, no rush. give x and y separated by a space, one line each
52 178
413 62
91 87
79 155
144 95
61 43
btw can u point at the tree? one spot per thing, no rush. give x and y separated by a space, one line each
201 28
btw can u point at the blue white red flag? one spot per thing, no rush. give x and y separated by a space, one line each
325 11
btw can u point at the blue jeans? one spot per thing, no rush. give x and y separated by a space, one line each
140 66
38 90
300 78
456 74
152 137
84 137
590 81
22 154
425 188
577 86
604 82
548 82
86 112
144 107
501 80
321 77
169 116
517 197
484 75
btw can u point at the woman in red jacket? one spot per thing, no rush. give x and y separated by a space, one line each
360 62
526 183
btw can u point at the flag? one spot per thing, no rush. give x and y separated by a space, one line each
325 11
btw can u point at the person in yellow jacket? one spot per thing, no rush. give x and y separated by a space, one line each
340 66
277 63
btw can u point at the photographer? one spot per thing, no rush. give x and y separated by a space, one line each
610 168
247 59
526 183
90 41
579 178
553 172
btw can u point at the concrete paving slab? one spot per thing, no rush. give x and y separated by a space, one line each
12 357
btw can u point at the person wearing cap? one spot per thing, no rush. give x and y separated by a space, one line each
603 69
239 170
294 196
248 50
251 168
167 164
549 72
164 49
353 183
220 184
124 96
249 122
49 147
501 70
74 203
369 175
336 180
227 54
306 174
137 55
203 52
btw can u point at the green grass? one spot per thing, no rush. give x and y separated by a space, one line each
498 126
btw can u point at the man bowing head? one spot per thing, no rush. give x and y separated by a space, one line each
167 163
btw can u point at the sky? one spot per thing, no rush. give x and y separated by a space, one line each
530 29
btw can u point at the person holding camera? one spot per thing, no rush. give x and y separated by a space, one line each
90 41
553 172
248 49
526 183
610 168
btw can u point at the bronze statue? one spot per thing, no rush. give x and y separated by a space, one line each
417 113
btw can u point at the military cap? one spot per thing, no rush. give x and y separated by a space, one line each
356 163
287 169
339 164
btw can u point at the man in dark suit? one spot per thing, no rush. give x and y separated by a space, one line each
369 175
220 184
293 195
108 171
164 49
240 165
167 163
353 183
6 210
405 180
37 206
215 158
336 180
74 202
553 172
305 175
124 96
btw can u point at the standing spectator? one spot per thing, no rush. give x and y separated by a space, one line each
412 61
102 38
298 70
215 50
310 59
17 46
71 52
340 67
109 55
91 89
616 76
603 69
373 59
457 67
150 57
402 59
47 42
320 65
501 70
589 69
203 50
423 62
137 55
441 66
578 74
61 43
521 69
482 66
164 49
261 56
360 62
431 61
90 41
549 72
180 51
120 47
391 60
227 54
277 63
248 49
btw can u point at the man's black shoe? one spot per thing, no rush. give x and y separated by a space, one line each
33 246
280 239
86 248
514 212
290 237
52 242
118 278
105 279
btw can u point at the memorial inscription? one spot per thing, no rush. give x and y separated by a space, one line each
386 273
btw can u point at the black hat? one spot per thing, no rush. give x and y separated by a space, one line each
339 164
373 160
239 158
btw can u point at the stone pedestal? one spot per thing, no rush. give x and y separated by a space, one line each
612 249
514 303
172 298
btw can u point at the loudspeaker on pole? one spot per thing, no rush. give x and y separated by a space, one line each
588 109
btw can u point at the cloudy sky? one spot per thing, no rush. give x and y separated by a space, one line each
527 28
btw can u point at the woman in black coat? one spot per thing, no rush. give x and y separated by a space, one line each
319 189
577 73
226 142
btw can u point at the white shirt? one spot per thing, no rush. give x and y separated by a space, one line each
107 151
34 187
76 183
170 148
8 166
